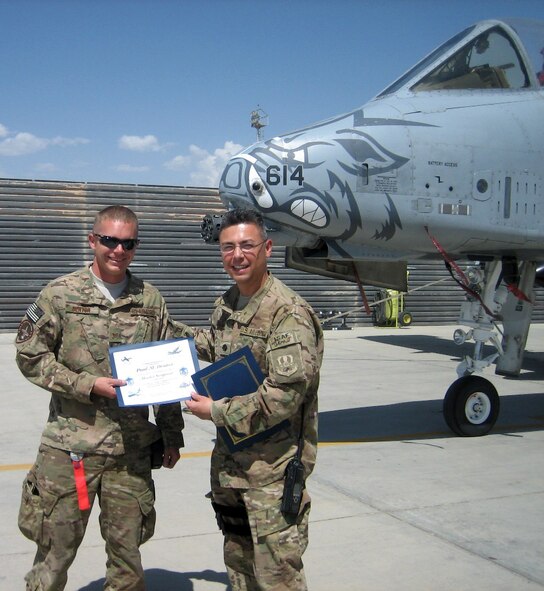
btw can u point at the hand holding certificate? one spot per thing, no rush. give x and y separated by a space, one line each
155 373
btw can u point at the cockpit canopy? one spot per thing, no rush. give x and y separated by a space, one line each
488 55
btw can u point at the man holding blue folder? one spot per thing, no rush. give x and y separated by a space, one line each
258 491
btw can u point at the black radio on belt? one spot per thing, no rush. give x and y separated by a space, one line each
294 477
293 487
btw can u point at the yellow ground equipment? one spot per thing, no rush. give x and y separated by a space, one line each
388 309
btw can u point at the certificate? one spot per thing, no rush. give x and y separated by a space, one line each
155 373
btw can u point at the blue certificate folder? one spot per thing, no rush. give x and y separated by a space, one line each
237 374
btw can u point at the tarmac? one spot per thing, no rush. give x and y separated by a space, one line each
399 503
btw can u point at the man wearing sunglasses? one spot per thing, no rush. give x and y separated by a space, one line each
263 540
91 447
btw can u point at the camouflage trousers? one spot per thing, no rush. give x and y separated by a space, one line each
50 516
268 557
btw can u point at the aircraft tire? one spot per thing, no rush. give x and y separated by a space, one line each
405 318
471 406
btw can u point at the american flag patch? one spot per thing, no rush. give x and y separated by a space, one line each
34 312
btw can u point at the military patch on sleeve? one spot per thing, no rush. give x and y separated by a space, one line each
34 312
25 331
26 327
285 355
283 339
287 365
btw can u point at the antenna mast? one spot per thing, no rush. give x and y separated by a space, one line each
259 119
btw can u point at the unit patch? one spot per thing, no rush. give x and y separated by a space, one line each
25 331
286 365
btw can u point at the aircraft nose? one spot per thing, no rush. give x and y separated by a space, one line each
241 185
232 176
232 185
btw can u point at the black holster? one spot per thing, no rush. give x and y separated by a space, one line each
156 451
232 520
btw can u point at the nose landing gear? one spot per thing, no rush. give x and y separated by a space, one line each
471 406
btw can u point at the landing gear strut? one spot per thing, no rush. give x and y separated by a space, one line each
497 291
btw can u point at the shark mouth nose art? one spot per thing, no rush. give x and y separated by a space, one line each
309 211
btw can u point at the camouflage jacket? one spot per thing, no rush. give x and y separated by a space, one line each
286 338
63 346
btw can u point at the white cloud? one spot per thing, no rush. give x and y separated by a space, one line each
137 143
23 143
177 163
205 167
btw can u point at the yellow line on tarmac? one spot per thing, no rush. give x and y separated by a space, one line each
185 455
189 455
396 437
9 467
196 454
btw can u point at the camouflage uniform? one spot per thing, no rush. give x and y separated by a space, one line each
286 338
62 346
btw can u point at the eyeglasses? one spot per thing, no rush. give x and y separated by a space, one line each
245 247
112 242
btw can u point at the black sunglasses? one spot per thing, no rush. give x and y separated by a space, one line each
112 242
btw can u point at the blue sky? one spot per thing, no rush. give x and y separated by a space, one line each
161 91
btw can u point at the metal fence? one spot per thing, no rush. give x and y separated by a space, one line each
43 234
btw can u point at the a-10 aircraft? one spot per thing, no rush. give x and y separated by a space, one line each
446 162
